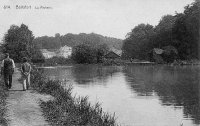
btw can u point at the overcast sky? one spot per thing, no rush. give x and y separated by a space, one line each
114 18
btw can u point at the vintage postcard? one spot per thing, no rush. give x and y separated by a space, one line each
100 62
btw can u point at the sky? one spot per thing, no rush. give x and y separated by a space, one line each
113 18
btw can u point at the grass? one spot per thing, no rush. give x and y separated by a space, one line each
66 110
3 109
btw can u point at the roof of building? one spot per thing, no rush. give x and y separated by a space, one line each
158 51
169 49
111 54
117 51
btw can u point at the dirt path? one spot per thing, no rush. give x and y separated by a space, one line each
23 106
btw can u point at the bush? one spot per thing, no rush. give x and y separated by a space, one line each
89 54
83 54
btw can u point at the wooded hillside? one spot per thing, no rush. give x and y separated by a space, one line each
72 40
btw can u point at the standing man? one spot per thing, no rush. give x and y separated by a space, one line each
7 70
26 70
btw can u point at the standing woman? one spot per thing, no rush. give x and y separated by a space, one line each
7 70
25 69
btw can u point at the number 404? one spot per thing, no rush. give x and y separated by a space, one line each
6 7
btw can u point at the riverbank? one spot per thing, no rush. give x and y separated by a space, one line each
66 109
115 62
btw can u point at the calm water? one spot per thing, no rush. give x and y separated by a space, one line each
139 95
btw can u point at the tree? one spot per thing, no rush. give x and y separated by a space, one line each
137 44
186 32
101 50
72 40
83 54
18 42
180 31
36 55
57 35
164 36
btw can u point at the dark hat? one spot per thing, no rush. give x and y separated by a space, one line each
24 59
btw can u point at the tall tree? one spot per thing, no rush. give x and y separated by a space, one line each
164 35
137 44
101 51
187 30
83 54
18 42
181 31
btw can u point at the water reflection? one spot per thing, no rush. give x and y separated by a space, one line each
177 86
82 74
153 93
93 74
58 73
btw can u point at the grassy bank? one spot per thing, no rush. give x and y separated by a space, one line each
66 110
3 95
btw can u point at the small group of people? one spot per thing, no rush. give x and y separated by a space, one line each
8 68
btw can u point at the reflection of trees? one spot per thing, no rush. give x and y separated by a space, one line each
177 86
84 74
58 73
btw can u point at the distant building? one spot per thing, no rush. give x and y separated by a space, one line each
117 51
156 55
167 54
64 51
111 55
47 54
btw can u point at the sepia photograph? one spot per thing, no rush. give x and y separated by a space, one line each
100 63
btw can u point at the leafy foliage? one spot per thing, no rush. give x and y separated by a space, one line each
164 35
137 44
72 40
18 42
180 31
186 32
85 53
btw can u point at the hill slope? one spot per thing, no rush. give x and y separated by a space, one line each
69 39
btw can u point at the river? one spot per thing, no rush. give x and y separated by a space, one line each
138 95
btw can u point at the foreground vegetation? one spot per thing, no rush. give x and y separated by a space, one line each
66 110
3 95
